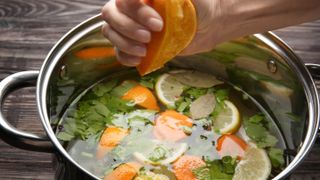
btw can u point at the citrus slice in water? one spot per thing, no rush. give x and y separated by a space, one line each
168 89
254 165
171 156
228 120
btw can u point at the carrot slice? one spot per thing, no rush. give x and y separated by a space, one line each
180 25
169 126
110 138
125 171
142 96
231 145
183 167
95 53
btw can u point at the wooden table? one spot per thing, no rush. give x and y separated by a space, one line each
28 30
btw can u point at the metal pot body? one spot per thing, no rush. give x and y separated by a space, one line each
261 65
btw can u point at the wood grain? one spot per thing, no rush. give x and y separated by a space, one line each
28 30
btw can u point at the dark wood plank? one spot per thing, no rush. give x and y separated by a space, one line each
28 29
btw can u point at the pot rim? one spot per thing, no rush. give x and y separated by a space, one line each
268 38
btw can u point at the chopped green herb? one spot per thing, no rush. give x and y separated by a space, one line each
103 88
123 88
147 81
194 92
221 95
65 136
216 169
256 129
276 157
159 153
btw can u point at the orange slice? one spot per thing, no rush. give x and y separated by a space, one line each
183 167
125 171
110 138
180 25
143 97
169 126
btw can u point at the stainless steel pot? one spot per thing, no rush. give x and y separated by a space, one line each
261 65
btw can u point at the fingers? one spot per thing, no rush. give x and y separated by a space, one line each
124 44
141 13
126 59
129 25
124 25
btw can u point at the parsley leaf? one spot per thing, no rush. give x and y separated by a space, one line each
195 93
276 157
221 95
124 87
217 169
102 88
256 129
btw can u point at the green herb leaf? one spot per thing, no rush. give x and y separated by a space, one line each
256 129
102 88
276 157
65 136
216 169
256 119
221 95
148 81
159 153
195 93
116 104
124 87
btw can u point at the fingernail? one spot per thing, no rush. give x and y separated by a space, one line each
155 24
135 61
131 62
144 35
140 51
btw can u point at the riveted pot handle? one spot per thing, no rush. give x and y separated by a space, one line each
314 70
10 134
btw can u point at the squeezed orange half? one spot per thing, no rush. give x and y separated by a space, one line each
180 25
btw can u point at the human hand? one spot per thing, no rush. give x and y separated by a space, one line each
129 24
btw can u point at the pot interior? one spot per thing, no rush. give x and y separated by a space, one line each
262 70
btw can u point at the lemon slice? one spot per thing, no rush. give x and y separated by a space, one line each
254 165
228 120
168 89
171 157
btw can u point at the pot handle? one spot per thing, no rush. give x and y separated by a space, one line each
314 70
10 134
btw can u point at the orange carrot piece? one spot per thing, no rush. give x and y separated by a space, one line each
183 167
110 138
231 145
125 171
